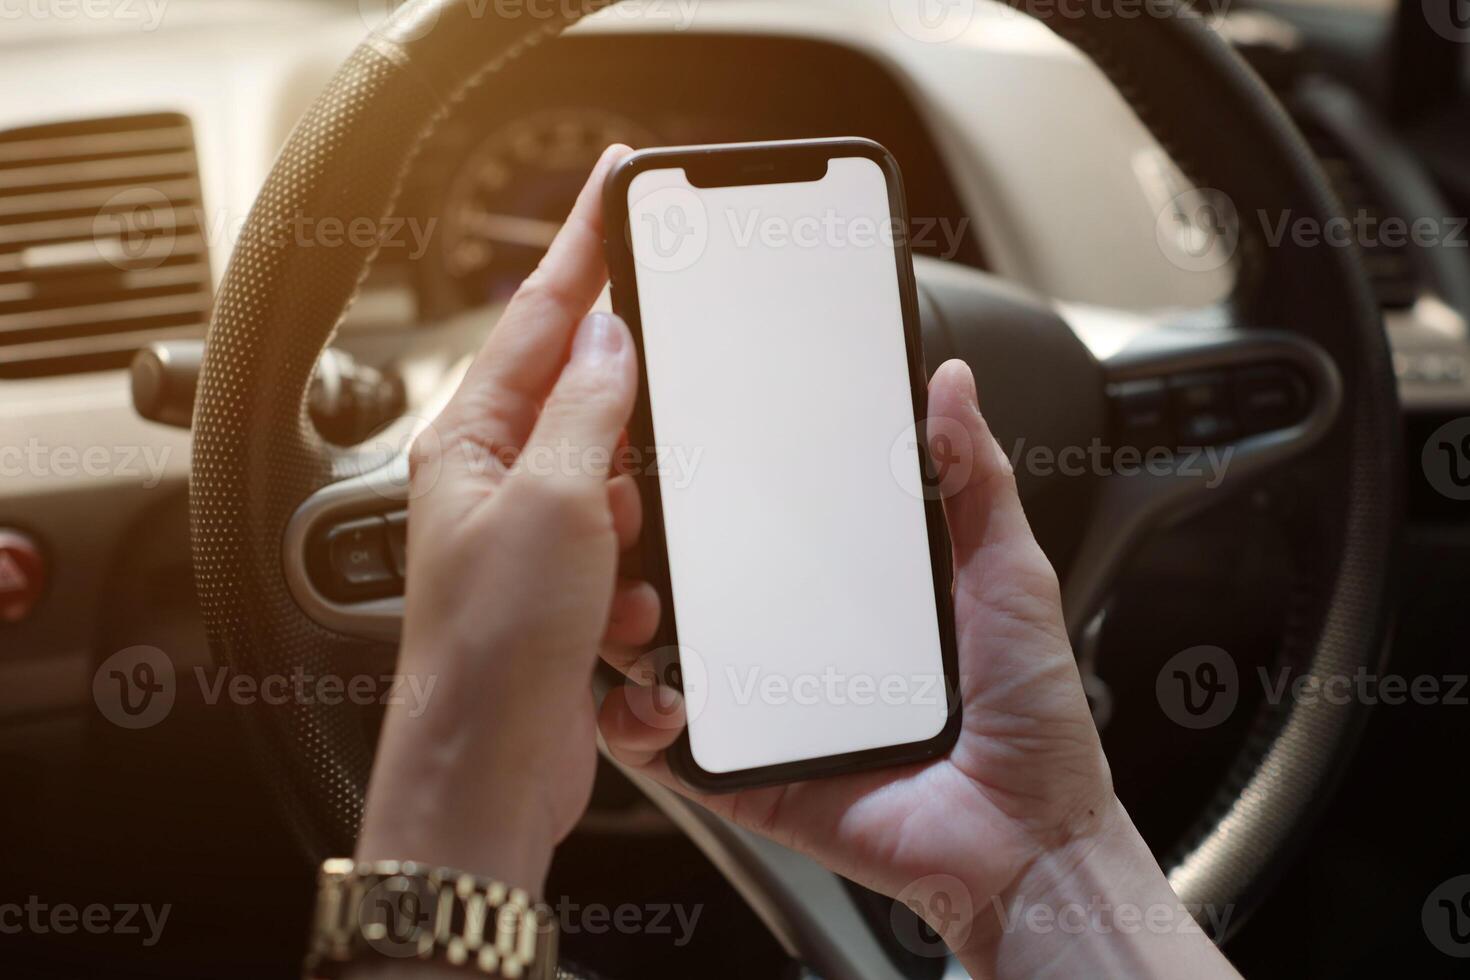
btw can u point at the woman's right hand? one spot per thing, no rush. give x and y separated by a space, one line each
1020 813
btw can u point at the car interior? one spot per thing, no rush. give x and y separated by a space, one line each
1234 232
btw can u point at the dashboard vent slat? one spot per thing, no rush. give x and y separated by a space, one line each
86 227
102 245
18 206
102 314
98 145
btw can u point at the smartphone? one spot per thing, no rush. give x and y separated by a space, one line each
790 524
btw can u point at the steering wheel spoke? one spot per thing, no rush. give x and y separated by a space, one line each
1195 412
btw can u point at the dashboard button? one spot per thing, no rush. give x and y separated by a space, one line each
358 553
1203 410
1270 396
1141 413
22 575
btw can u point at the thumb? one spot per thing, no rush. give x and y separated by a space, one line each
995 552
588 407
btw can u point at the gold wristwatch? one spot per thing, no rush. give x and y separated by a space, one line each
399 910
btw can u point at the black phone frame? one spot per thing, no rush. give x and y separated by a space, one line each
734 164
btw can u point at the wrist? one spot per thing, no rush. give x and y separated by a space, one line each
435 800
1098 904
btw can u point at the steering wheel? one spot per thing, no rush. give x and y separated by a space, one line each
265 486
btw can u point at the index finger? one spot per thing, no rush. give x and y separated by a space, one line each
503 389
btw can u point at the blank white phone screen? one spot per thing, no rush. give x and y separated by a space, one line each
797 544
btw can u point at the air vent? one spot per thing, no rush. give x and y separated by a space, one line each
102 244
1391 267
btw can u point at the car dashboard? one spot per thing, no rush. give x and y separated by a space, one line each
504 168
155 136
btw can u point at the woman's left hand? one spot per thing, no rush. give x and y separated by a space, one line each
515 530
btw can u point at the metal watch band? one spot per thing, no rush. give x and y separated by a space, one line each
400 910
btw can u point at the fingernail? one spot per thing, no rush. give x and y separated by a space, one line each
600 336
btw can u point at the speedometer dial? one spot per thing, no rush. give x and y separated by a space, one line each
509 197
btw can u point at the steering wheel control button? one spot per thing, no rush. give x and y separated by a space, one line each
1270 396
1208 407
22 575
1141 413
398 541
359 554
349 401
1203 409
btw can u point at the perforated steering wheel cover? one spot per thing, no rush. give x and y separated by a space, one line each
256 456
